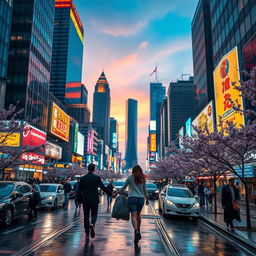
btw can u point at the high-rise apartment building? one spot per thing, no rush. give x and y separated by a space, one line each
163 129
131 157
30 54
181 106
5 25
101 108
202 55
67 55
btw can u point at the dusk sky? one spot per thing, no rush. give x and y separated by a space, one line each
127 39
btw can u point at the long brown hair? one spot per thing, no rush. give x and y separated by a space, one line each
138 175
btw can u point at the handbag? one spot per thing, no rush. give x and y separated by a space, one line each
236 205
120 209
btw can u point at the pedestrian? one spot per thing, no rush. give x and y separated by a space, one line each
35 199
76 186
206 195
136 194
67 190
201 193
229 199
110 187
211 195
89 197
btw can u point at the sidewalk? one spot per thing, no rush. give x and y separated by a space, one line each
113 237
240 227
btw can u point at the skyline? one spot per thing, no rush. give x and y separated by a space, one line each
127 40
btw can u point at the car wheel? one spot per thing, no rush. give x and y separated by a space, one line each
8 216
55 205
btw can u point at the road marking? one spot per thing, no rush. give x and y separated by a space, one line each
36 222
13 230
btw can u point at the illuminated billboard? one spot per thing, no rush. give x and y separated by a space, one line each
60 123
152 142
53 151
80 144
114 140
10 140
226 73
181 135
90 139
75 136
33 158
205 119
32 136
152 125
189 127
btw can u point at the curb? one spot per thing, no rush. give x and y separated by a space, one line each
244 243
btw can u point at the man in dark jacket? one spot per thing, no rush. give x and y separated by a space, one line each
201 193
89 197
229 195
67 190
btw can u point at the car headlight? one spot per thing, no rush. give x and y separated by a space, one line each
49 198
170 203
157 191
2 205
196 205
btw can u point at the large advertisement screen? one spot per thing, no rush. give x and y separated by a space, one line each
205 119
60 123
226 73
76 137
53 151
152 142
10 140
80 144
189 127
33 137
249 54
90 140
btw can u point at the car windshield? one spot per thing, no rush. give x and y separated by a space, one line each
154 186
72 183
48 188
177 192
6 189
119 183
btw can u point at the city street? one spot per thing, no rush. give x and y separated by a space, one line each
60 232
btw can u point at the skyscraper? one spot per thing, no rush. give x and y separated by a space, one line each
67 55
163 129
30 58
101 108
5 25
181 106
131 157
157 96
202 55
76 93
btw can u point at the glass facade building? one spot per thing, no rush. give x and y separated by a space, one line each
233 24
131 157
76 93
80 112
67 55
30 58
5 29
101 108
181 106
202 55
163 129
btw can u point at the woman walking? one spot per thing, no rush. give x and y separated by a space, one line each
136 193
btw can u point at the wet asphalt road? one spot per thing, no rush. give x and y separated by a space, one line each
190 238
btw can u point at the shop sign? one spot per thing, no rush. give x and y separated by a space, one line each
33 158
33 137
152 142
10 140
75 137
225 74
60 123
248 171
53 151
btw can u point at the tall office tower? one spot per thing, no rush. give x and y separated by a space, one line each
80 112
202 55
67 54
233 24
5 25
30 54
113 133
163 129
101 108
131 157
157 96
181 106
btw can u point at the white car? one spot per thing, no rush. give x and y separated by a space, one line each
52 195
178 200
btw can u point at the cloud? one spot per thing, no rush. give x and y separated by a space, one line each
144 45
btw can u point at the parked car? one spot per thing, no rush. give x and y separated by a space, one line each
14 200
177 200
152 190
52 195
72 183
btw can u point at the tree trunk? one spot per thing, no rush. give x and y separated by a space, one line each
248 215
215 196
